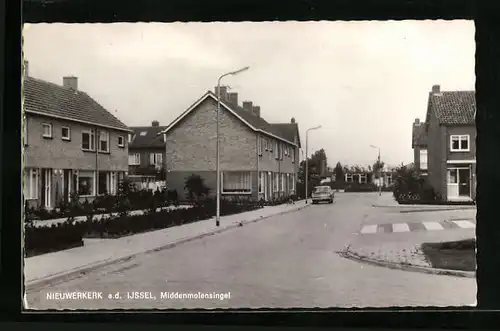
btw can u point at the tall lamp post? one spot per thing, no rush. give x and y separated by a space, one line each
307 156
232 73
379 170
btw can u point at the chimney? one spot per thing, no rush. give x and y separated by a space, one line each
223 93
71 82
26 69
292 120
155 124
256 111
436 89
247 105
232 98
417 122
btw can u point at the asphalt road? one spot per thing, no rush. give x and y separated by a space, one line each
283 262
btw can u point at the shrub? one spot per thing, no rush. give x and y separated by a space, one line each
410 186
196 188
357 187
39 240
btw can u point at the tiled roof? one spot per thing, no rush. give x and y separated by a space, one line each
454 107
147 137
287 130
419 135
50 99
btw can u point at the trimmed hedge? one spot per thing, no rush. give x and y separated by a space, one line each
39 240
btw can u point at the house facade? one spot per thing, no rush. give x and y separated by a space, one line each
71 144
258 160
146 160
451 143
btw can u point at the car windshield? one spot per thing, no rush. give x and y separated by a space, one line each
321 189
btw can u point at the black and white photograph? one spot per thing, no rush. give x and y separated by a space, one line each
249 165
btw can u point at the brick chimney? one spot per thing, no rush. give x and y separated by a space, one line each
232 98
155 124
26 69
436 89
256 111
71 82
292 120
248 106
223 93
417 122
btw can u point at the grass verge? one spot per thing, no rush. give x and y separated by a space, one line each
452 255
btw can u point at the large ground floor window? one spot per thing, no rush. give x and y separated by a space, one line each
86 183
237 182
31 178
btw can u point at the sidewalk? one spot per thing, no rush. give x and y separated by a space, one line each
403 252
386 200
100 252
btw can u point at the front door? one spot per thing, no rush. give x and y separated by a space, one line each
464 182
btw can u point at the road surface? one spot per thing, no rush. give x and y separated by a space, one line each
283 262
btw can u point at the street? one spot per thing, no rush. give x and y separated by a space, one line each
281 262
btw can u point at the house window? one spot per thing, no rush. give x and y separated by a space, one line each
293 154
293 181
265 144
134 159
261 181
47 130
121 141
143 133
156 159
276 182
363 179
459 143
423 159
65 133
237 182
86 183
261 142
452 176
348 178
276 150
88 140
31 184
103 183
129 137
104 141
282 182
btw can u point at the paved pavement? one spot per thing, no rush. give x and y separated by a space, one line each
99 252
284 261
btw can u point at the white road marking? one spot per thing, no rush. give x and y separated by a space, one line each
400 227
429 226
465 224
369 229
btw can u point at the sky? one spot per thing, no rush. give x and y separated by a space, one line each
363 82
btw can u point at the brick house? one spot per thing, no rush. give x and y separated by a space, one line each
451 143
258 160
147 150
71 144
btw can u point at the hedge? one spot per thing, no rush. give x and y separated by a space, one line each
43 239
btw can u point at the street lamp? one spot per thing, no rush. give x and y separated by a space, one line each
307 156
232 73
379 170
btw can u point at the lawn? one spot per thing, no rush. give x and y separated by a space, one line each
453 255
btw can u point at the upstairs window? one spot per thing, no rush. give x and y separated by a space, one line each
460 143
104 141
293 154
65 133
156 159
121 141
260 145
47 130
423 159
276 150
134 159
88 140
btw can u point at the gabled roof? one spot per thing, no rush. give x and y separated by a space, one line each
147 137
49 99
419 135
256 123
453 107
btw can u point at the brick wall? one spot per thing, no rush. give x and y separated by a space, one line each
61 154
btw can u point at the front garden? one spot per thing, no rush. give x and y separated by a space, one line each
119 221
454 255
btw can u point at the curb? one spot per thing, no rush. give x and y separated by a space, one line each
425 210
436 209
75 273
405 267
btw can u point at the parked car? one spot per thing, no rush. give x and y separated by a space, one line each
322 194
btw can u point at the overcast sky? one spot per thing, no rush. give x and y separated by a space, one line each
364 82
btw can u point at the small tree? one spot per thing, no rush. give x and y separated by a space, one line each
125 188
339 173
196 188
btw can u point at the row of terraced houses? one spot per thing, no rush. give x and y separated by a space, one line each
74 147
